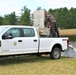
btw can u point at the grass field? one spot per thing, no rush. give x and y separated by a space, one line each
33 65
67 32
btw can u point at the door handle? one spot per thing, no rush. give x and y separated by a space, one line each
19 40
35 40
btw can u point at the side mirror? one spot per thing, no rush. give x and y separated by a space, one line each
7 36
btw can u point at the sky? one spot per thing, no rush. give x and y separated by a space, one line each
8 6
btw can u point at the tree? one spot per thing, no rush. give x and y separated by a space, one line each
25 16
61 16
13 18
6 20
39 8
10 19
72 13
1 20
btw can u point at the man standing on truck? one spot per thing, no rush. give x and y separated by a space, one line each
50 22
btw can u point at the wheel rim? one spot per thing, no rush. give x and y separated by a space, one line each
56 54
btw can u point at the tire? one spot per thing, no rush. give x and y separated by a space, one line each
39 55
56 53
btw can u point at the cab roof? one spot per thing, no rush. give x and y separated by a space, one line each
15 26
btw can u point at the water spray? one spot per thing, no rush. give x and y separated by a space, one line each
72 47
71 52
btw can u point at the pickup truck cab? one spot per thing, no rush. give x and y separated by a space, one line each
17 40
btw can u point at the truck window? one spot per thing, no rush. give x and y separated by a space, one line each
28 32
14 31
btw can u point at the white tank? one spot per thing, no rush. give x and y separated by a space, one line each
39 17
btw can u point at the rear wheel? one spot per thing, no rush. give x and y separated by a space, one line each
56 53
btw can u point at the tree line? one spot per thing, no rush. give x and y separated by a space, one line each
13 19
66 18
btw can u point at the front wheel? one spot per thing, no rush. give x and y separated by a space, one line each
56 53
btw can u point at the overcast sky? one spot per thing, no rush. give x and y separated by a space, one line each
8 6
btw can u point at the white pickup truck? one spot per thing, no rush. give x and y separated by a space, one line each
17 40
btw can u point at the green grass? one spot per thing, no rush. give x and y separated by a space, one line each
33 65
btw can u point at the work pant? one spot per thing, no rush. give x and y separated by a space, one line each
54 30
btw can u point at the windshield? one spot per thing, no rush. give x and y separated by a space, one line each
2 29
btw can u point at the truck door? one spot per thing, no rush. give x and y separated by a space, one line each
30 41
11 42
